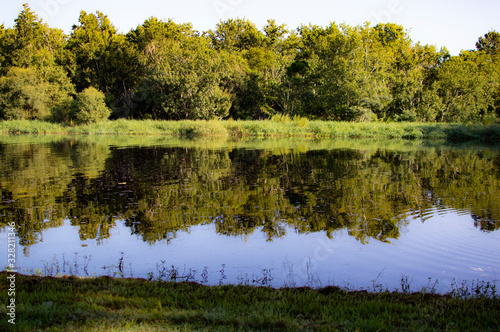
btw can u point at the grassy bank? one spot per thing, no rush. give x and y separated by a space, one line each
104 303
276 127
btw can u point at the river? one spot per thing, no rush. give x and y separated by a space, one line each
360 214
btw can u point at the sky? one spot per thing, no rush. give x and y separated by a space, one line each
454 24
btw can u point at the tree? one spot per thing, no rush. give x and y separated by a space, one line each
413 83
257 83
183 77
23 95
275 34
35 86
28 93
105 60
89 45
340 73
469 84
154 29
467 87
365 73
89 106
235 34
490 43
33 43
5 40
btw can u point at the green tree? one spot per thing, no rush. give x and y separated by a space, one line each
105 60
340 73
33 43
236 34
28 93
35 85
258 86
183 77
364 73
90 107
5 41
249 56
89 45
489 43
467 87
23 95
414 93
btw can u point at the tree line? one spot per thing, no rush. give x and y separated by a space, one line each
165 70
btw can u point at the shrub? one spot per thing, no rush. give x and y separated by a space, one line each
89 106
300 121
360 114
281 117
23 95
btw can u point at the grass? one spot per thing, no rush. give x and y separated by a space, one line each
279 125
126 304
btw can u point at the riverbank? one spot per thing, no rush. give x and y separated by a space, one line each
278 126
119 304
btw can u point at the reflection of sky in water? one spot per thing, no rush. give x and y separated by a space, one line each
444 247
359 193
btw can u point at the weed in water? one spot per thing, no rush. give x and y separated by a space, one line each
264 280
222 274
405 285
376 286
120 265
431 286
86 262
204 275
474 289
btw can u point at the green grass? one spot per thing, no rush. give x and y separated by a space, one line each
110 304
275 127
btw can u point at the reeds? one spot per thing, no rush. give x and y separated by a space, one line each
278 125
130 304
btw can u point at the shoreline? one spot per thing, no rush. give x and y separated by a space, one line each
70 303
264 128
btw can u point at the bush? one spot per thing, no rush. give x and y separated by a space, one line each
23 95
281 117
300 121
89 106
360 114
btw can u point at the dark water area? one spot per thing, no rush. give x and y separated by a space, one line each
279 212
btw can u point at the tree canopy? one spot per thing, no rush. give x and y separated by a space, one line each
167 70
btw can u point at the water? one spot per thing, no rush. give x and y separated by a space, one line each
278 212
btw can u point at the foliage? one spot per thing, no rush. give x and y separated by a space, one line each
183 80
23 95
89 107
117 304
468 85
27 93
34 84
166 70
89 47
278 125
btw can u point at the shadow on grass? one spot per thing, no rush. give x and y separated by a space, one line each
106 303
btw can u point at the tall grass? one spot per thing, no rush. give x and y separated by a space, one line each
278 125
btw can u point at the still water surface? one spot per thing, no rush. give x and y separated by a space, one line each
279 212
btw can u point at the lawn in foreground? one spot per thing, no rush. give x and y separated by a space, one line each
119 304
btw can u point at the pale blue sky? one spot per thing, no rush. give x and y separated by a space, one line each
455 24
